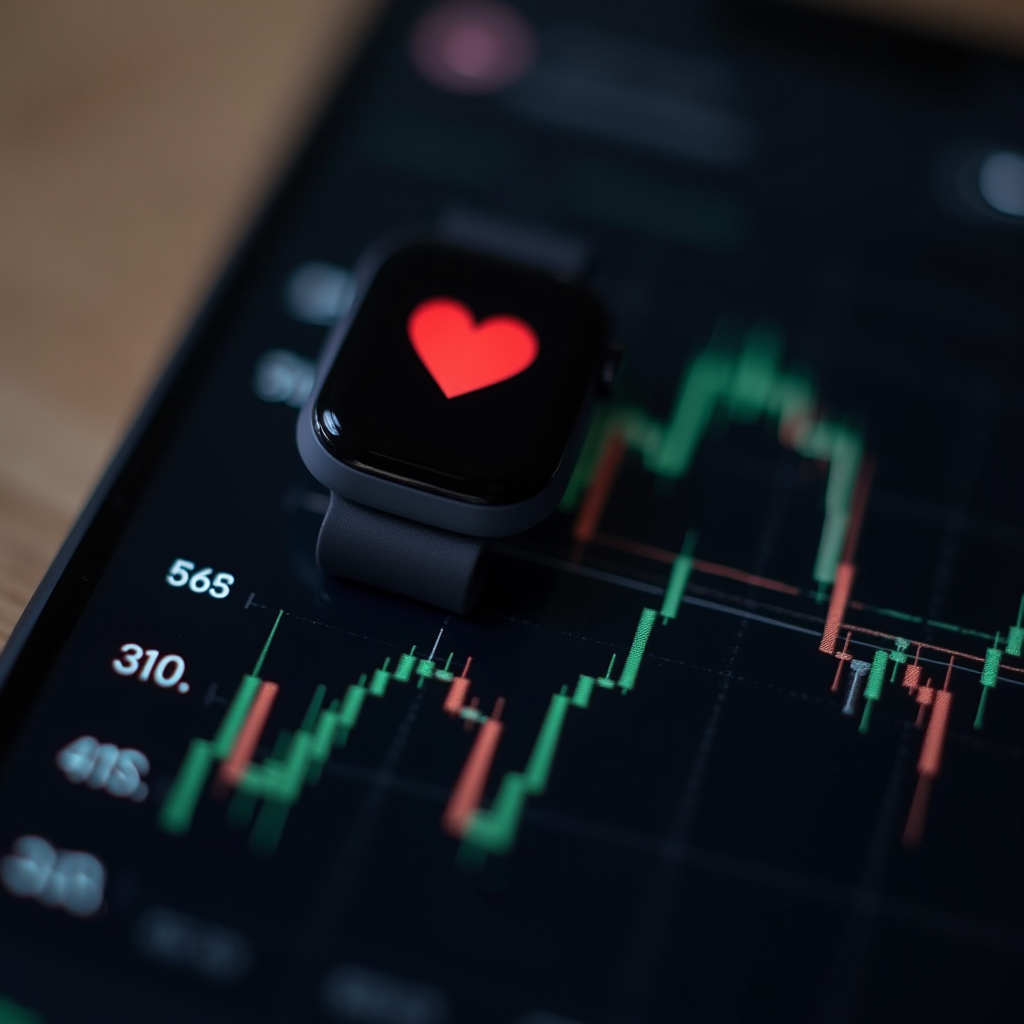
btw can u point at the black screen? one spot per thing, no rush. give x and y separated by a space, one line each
734 735
462 374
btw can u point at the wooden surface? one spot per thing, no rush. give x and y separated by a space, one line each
136 138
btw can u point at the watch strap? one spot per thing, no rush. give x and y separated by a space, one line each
559 254
422 562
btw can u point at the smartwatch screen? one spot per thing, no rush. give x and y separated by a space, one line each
462 374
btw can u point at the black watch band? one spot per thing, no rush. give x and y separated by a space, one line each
431 565
426 563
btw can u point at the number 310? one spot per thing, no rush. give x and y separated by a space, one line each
200 581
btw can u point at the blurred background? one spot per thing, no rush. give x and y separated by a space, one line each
137 140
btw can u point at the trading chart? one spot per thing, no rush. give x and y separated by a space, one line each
736 734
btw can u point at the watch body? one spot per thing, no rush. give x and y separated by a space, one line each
456 391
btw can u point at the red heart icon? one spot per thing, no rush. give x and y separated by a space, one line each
463 355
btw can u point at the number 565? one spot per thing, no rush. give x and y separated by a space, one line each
184 573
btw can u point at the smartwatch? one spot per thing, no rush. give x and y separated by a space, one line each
450 403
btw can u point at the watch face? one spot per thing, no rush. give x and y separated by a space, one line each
462 374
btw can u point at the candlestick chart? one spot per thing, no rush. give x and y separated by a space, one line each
738 377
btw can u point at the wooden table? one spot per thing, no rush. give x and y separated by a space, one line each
136 139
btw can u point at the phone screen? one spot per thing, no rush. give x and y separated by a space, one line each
734 735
